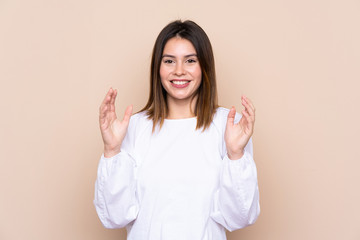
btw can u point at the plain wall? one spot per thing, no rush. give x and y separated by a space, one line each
297 60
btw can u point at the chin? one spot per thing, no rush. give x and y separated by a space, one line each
181 97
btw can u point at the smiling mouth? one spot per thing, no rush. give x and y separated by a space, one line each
180 83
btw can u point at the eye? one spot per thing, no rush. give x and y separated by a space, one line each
168 61
191 60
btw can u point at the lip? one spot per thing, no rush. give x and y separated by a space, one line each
180 85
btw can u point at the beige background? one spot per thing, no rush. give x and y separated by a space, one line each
297 60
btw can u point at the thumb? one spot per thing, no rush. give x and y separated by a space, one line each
231 116
128 113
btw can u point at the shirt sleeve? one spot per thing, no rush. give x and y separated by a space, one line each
236 202
116 200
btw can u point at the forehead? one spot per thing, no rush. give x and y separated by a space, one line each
178 47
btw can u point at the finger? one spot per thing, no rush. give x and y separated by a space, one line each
243 120
107 97
249 113
106 100
246 115
104 104
104 107
248 108
128 113
231 116
112 101
103 111
249 121
248 101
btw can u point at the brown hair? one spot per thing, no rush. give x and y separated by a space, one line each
206 103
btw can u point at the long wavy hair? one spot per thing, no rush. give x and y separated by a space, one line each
206 102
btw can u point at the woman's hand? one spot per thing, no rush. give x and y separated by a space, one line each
238 135
112 129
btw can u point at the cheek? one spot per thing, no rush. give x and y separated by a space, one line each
163 73
197 73
163 77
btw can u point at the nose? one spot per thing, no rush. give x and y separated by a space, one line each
179 69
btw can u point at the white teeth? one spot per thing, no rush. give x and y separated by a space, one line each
179 82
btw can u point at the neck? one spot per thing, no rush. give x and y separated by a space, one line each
179 109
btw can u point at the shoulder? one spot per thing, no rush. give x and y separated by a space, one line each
138 125
139 116
220 117
222 113
138 120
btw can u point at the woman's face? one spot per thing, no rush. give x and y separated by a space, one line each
180 69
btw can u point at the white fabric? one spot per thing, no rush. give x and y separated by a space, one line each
177 183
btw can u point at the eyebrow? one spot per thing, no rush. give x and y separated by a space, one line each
186 56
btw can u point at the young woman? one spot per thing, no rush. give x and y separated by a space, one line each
181 168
